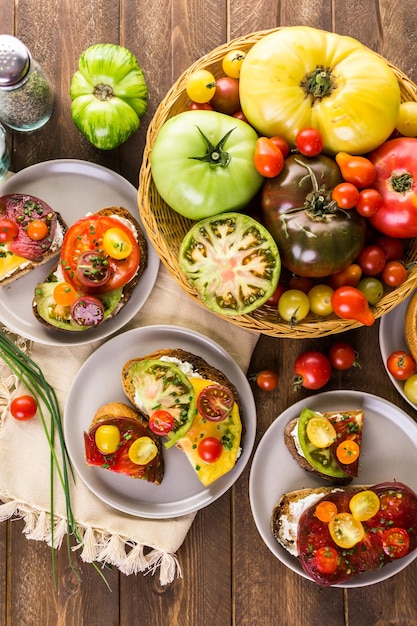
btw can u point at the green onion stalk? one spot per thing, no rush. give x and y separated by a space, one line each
31 375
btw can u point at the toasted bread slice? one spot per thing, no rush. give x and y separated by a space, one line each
128 289
291 443
132 426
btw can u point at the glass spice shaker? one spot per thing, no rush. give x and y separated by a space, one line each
26 96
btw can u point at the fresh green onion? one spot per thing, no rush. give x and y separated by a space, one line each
31 375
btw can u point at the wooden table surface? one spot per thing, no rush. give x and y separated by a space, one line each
229 575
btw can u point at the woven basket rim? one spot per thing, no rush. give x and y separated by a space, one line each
313 326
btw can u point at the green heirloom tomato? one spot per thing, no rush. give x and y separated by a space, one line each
202 164
109 95
232 261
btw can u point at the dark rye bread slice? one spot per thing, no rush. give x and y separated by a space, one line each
200 365
120 411
127 289
302 461
52 253
289 508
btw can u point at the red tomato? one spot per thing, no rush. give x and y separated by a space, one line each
309 142
8 230
282 145
327 559
312 370
239 115
346 195
396 180
161 422
23 407
200 106
392 246
350 303
394 273
342 355
268 159
210 449
273 300
372 260
395 542
303 283
351 275
267 380
356 169
87 235
401 365
369 201
215 402
226 97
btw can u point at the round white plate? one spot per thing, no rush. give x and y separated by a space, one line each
389 452
391 338
99 381
72 188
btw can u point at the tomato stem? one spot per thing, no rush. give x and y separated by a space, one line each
401 183
215 155
319 82
103 92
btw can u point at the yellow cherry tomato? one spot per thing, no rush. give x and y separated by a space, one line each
200 86
407 119
320 297
364 505
320 432
64 294
37 230
345 530
116 243
142 451
232 63
107 438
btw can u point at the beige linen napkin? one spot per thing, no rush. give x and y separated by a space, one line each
130 543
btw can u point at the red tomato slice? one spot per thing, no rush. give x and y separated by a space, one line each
161 422
395 542
215 402
87 235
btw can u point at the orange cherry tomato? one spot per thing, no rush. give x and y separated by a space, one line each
346 195
347 451
64 294
267 380
351 276
325 510
37 230
268 158
356 169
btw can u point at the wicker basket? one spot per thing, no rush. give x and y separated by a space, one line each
166 228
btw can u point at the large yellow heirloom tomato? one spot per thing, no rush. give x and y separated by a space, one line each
297 77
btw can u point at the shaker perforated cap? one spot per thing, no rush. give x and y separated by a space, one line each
14 60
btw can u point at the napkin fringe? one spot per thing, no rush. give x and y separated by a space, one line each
128 556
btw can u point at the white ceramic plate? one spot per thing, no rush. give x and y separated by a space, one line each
391 338
73 188
389 452
99 381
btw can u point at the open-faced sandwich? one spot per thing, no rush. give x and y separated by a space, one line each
31 233
327 444
340 532
119 440
102 259
192 404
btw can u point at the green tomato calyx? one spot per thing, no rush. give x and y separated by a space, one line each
401 183
215 155
318 83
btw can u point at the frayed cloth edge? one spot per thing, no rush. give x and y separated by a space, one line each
96 545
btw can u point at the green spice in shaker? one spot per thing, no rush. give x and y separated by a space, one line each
26 96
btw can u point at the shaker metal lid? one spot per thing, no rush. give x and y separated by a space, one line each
14 60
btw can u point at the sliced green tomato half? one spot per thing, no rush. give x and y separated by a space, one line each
232 261
162 385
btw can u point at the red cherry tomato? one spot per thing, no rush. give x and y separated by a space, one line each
267 380
215 402
372 260
401 365
309 142
392 246
396 542
8 230
200 106
350 303
394 273
268 159
239 115
342 355
273 300
346 195
351 275
210 449
23 407
369 201
282 145
312 370
161 422
302 283
226 97
327 559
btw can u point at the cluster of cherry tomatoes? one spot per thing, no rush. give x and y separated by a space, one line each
312 368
